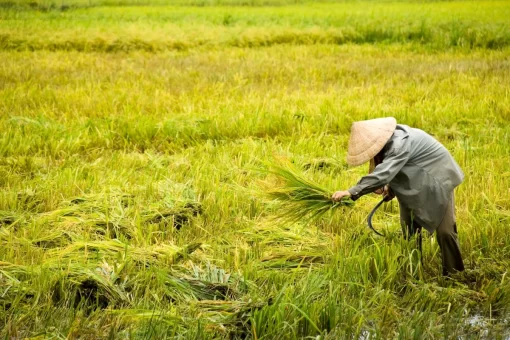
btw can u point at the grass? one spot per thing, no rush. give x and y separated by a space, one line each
434 25
129 206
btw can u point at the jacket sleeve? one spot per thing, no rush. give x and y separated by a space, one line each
394 159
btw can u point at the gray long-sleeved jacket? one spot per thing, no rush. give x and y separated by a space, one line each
419 170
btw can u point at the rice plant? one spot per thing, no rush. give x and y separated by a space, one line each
127 204
300 199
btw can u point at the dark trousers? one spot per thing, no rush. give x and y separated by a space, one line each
446 235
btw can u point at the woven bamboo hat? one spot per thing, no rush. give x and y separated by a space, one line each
368 137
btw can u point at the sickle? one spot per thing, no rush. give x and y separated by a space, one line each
372 214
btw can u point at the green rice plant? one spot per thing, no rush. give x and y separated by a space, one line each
301 199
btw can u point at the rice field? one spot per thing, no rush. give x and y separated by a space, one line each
136 144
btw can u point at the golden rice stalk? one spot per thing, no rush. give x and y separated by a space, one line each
300 199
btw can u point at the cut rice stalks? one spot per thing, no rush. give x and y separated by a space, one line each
300 199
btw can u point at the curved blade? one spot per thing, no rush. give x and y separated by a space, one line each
372 214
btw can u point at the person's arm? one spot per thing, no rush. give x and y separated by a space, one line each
394 160
382 174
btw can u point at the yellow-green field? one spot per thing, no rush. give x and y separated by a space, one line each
132 140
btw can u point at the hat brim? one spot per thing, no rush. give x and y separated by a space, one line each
368 139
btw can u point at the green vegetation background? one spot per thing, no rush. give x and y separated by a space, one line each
131 204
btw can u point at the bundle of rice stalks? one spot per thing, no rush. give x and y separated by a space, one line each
205 283
92 288
300 199
286 235
168 317
178 215
13 291
291 260
162 253
10 218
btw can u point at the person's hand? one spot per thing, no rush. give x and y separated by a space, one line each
337 196
379 191
383 191
387 193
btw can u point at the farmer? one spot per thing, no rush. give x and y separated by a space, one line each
408 163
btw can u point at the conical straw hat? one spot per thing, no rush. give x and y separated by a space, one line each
368 137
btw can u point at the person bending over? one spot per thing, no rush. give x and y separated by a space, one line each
410 164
